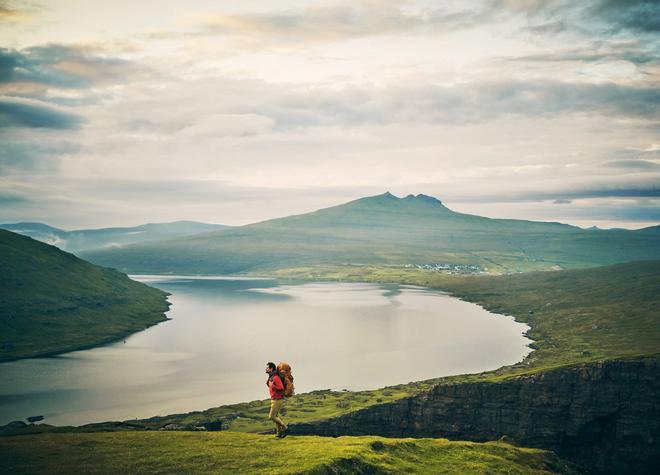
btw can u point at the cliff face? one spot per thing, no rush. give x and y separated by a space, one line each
605 417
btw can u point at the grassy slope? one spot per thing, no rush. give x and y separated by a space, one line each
379 230
226 452
51 301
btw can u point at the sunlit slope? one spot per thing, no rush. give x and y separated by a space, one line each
226 452
386 230
52 301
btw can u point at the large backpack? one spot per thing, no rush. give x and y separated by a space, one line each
284 369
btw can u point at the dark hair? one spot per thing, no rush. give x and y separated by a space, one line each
271 365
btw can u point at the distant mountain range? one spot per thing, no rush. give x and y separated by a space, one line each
86 239
416 230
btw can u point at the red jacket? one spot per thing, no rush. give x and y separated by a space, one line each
275 387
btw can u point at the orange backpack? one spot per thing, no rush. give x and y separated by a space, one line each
284 369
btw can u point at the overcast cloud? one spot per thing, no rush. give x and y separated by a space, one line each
125 113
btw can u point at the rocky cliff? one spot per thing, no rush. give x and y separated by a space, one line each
605 416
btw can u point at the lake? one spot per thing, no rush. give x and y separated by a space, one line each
223 331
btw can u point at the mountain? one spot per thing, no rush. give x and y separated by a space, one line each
52 301
385 230
86 239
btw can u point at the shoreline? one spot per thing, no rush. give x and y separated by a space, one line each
524 344
557 332
97 344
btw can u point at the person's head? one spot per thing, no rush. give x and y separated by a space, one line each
270 367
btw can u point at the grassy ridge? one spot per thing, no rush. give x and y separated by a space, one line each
225 452
51 301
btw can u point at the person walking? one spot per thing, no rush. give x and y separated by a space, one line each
276 391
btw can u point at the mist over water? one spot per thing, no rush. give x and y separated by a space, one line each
224 330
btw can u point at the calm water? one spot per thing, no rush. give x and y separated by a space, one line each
224 330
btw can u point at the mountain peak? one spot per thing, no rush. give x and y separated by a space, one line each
410 198
411 203
424 198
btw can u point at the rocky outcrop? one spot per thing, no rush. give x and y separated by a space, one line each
605 416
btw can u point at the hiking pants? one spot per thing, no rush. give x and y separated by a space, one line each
273 415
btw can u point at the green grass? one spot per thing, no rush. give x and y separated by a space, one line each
51 301
252 416
226 452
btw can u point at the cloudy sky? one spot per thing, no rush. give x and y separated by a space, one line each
124 112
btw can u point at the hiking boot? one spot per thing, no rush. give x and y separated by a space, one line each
285 432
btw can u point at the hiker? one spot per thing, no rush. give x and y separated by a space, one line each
276 390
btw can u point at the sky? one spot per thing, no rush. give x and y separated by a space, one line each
121 113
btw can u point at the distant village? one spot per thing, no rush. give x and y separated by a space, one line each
450 268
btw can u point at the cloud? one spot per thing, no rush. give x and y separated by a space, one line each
20 112
228 125
9 14
616 15
345 20
340 21
633 164
183 116
603 209
584 183
233 118
121 202
634 15
460 103
595 52
42 154
601 212
10 199
602 19
613 192
62 66
649 190
637 211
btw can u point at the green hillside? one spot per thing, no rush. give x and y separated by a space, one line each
52 301
385 230
226 452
